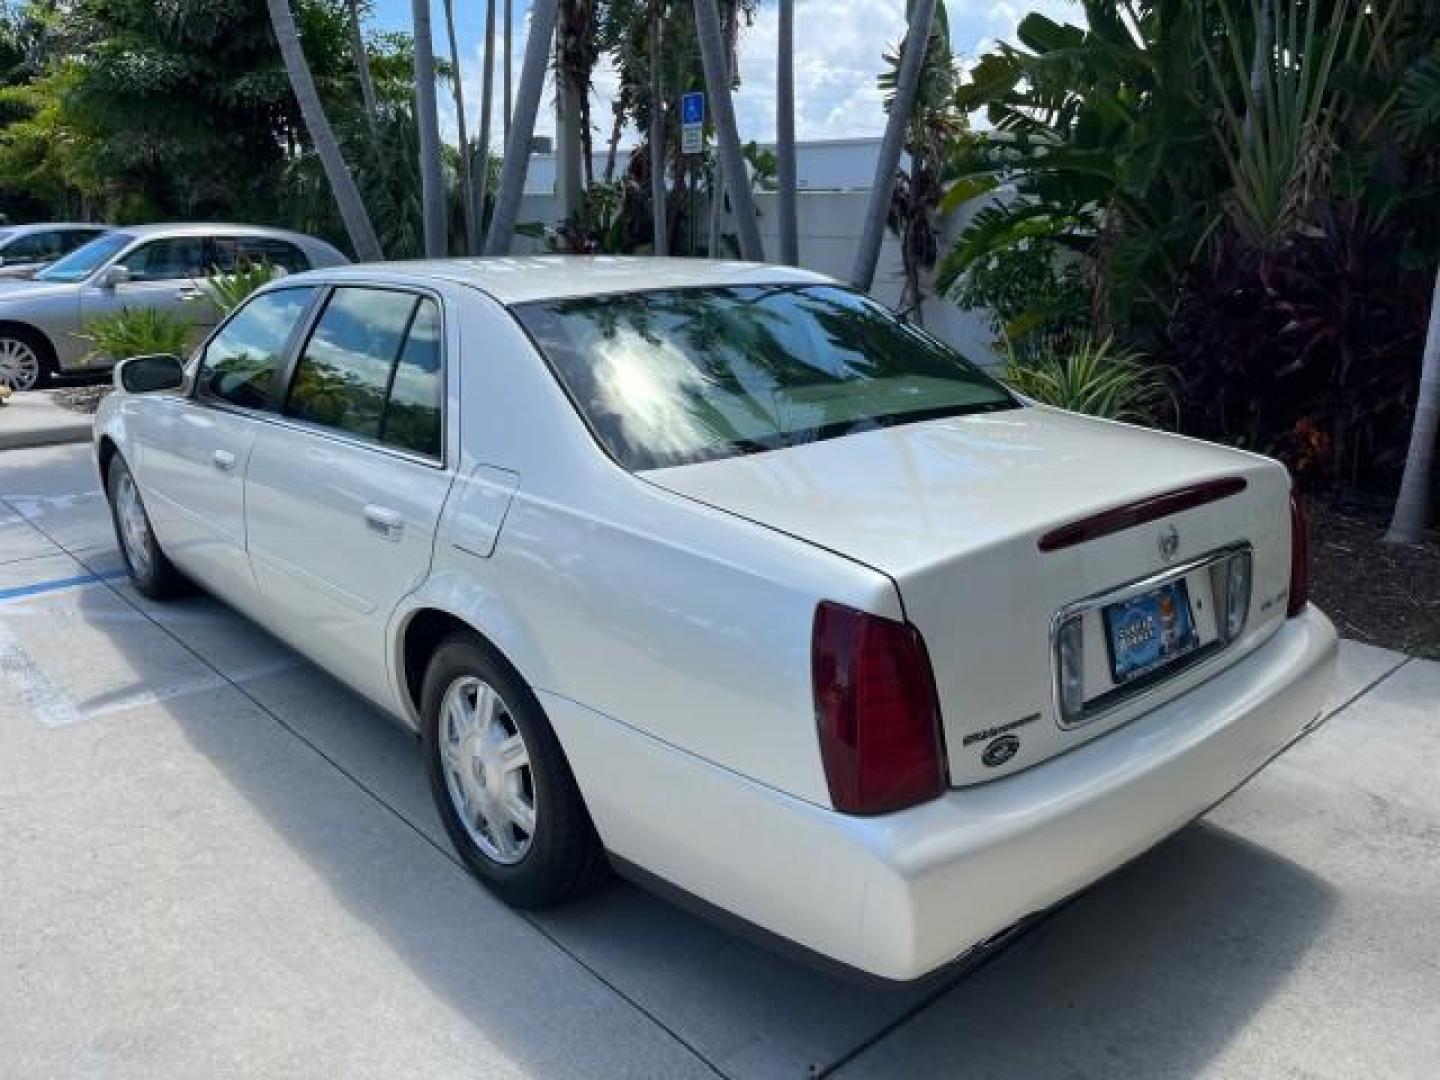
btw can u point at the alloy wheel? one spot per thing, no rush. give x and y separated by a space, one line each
19 365
134 525
487 770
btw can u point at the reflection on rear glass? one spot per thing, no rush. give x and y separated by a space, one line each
683 375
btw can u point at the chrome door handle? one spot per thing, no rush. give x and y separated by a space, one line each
223 460
189 294
388 523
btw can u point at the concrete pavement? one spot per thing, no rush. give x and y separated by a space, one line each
214 860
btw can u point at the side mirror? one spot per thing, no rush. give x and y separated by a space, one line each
112 276
142 374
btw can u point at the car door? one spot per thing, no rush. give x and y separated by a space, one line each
165 273
344 491
194 448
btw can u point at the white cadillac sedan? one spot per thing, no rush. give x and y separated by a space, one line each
722 575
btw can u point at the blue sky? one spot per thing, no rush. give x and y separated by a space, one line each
838 49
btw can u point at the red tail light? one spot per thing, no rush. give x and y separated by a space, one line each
1299 555
875 704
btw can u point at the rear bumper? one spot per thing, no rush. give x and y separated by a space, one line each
901 895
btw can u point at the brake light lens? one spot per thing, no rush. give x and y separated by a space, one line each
1299 555
877 711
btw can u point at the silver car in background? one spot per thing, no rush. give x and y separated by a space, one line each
42 321
25 250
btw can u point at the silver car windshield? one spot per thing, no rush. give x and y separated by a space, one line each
682 375
86 259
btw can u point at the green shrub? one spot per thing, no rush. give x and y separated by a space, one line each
138 332
228 291
1095 379
1033 293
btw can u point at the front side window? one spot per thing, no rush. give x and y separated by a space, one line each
240 362
683 375
86 259
167 260
372 369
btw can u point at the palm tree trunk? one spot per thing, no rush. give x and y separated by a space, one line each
362 67
659 220
507 108
337 173
482 181
432 185
568 170
1412 508
785 135
717 82
1260 63
467 184
917 44
522 128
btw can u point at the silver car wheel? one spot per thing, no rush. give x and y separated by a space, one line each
19 366
487 769
134 525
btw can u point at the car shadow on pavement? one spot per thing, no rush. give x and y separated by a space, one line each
1150 973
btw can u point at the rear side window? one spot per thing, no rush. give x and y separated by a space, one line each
372 369
237 252
33 248
240 362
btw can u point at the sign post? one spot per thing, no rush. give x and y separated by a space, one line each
692 123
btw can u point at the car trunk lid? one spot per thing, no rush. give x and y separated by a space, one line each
992 526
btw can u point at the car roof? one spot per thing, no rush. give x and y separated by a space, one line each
516 279
209 228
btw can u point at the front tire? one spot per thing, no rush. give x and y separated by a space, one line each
150 571
25 361
501 782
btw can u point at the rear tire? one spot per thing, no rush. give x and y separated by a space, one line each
151 572
500 780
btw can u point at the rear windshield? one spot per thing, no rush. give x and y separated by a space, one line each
684 375
86 259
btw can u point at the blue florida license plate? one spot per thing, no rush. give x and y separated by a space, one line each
1149 631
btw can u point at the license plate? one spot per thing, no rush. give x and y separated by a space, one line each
1149 631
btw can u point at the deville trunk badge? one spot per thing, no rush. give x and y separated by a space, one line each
1000 751
1169 542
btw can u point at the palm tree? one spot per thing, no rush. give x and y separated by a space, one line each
432 185
657 136
1412 508
509 82
917 44
327 149
522 127
467 186
785 134
486 99
717 82
362 67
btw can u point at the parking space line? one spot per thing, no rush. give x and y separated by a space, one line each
446 854
17 591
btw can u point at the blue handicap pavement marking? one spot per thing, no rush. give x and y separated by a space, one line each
58 583
692 108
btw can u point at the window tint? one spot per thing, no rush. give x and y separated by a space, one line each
675 376
344 372
32 248
167 260
412 413
240 362
233 252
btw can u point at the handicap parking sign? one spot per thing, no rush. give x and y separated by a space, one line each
692 108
